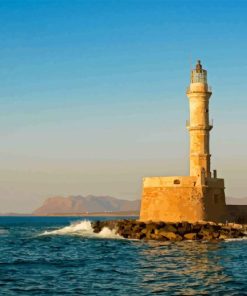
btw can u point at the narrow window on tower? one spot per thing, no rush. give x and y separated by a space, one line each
215 198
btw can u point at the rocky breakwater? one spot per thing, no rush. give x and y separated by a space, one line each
164 231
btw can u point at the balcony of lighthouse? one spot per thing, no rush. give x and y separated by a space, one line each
199 127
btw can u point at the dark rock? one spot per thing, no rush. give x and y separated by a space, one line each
160 225
137 229
206 234
191 236
151 227
170 235
96 226
216 234
196 227
183 228
140 236
170 231
211 227
223 237
169 227
141 224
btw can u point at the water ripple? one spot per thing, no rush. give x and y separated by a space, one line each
84 265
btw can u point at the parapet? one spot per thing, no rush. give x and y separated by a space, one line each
181 181
174 181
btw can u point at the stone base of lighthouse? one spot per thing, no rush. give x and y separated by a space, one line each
177 199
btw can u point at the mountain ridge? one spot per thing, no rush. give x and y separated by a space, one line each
86 204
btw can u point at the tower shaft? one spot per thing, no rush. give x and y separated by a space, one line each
199 126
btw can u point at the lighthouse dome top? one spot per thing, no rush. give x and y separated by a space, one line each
198 75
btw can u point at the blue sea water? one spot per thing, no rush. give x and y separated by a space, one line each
62 256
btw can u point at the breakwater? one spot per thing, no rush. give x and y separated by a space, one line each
168 231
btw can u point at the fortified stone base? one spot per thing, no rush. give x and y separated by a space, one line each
188 198
199 196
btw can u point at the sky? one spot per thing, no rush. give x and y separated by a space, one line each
93 95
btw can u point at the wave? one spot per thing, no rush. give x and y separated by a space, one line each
83 228
3 231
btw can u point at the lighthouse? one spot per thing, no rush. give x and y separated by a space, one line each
200 195
199 125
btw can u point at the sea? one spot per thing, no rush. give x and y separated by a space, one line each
62 256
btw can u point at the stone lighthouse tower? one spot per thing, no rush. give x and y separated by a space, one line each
199 196
199 127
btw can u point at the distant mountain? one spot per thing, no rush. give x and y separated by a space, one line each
16 214
236 201
81 204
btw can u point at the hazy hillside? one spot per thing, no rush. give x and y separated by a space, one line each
236 201
80 204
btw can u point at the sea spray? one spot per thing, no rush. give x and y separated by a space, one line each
108 233
83 228
74 228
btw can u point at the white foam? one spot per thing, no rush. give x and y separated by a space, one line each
108 233
74 228
236 239
83 228
3 231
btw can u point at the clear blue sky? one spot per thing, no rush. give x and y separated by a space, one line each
93 94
